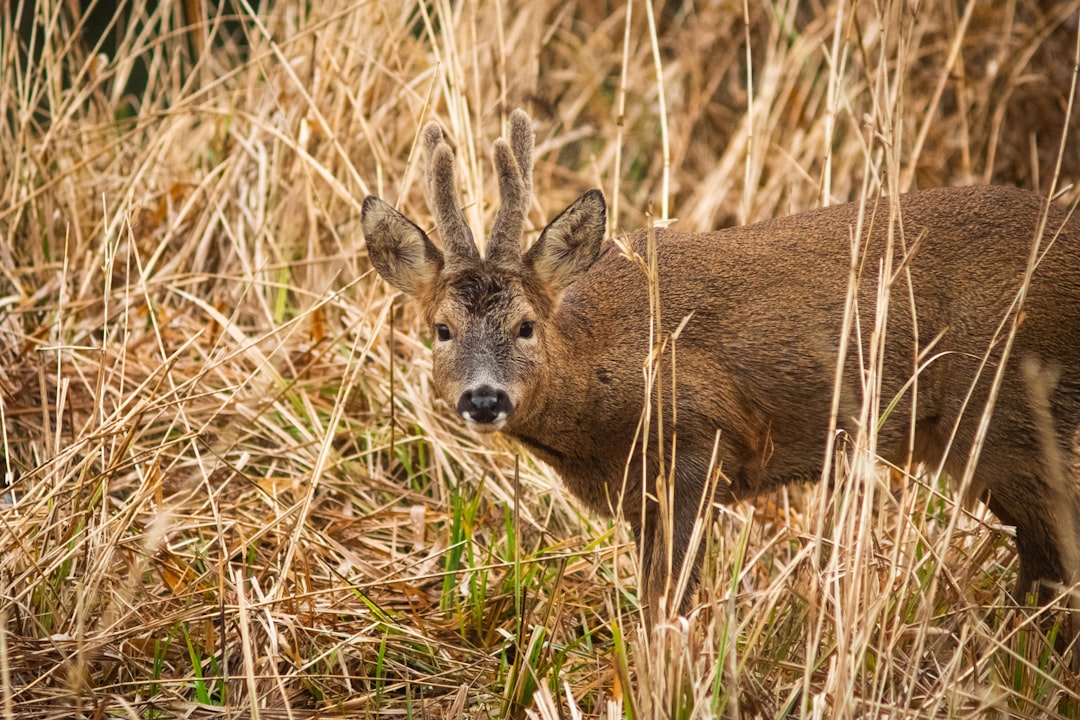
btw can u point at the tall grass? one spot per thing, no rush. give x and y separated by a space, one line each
229 488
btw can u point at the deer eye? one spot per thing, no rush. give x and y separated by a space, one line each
442 332
526 330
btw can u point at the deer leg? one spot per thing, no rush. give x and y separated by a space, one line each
664 545
1046 522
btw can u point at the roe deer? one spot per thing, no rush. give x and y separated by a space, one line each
549 346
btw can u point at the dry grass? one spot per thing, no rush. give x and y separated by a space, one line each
230 489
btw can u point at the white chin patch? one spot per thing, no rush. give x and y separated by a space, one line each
485 427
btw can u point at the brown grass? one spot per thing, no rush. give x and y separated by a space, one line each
231 491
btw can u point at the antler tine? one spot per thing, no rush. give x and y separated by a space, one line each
522 140
442 197
513 165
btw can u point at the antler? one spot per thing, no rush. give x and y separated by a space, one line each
442 198
513 165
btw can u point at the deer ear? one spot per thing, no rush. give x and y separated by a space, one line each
570 243
399 250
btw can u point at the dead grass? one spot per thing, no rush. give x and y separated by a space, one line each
230 491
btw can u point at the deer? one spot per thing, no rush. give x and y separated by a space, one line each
547 345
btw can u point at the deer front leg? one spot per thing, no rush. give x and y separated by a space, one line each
664 548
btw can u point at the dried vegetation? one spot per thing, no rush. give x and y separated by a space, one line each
229 489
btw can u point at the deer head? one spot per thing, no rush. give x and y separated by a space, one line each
489 313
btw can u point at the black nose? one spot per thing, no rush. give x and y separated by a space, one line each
484 404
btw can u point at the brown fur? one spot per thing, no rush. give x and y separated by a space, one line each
757 357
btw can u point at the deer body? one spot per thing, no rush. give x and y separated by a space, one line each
549 347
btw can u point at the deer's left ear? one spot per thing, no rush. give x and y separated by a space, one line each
571 243
400 251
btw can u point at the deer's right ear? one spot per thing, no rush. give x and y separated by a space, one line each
399 250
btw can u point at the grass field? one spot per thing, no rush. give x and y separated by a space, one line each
231 490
